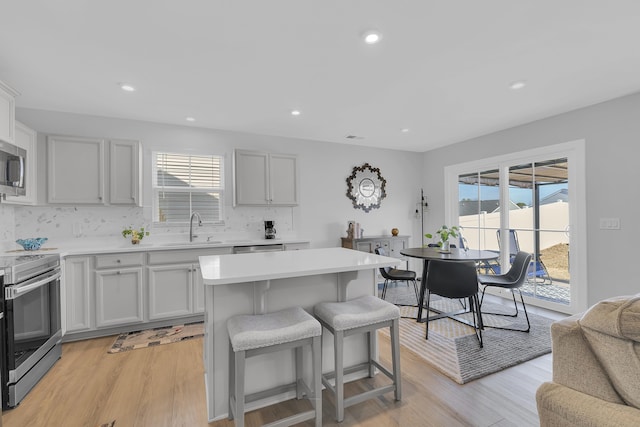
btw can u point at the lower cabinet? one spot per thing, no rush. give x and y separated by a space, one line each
119 297
170 291
112 293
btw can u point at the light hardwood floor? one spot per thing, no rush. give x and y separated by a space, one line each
164 386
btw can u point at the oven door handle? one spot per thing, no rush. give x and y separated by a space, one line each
13 292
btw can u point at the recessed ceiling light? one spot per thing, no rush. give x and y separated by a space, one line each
295 112
372 37
190 119
126 87
405 130
517 85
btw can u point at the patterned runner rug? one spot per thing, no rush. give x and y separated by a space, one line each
157 336
453 348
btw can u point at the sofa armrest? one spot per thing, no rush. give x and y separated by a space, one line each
560 406
575 365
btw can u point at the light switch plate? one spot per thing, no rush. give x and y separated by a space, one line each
610 223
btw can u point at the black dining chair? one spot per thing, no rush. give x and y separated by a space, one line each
394 275
455 280
511 280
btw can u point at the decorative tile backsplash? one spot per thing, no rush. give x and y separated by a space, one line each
79 221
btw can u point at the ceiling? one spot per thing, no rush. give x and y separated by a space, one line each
442 69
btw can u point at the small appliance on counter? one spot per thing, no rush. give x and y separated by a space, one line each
269 230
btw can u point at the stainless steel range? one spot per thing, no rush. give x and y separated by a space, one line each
32 331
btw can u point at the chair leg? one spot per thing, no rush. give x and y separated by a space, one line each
474 305
232 381
415 288
384 288
239 388
507 314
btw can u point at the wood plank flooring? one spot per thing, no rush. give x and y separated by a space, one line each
164 386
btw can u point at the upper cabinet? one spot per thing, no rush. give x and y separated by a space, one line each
7 113
265 179
27 139
124 173
85 170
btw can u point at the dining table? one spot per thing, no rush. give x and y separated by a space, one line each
435 253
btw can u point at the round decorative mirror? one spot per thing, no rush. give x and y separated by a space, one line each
366 187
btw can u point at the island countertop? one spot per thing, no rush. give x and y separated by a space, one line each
242 268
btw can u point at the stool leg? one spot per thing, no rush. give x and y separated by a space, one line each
316 360
232 379
299 390
395 357
239 387
370 352
338 341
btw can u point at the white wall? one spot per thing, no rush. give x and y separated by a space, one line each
612 134
321 216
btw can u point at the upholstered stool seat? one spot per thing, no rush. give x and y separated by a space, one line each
361 315
250 335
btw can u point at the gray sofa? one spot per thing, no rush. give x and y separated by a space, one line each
596 368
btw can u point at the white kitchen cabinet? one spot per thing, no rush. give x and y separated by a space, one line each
265 179
78 294
27 139
124 172
7 113
170 291
175 283
119 296
80 169
75 170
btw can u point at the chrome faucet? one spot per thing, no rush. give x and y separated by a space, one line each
193 215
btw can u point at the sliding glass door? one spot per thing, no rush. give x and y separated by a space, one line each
526 206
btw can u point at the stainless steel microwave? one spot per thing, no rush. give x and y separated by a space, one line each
12 169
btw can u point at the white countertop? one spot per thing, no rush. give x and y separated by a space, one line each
239 268
85 246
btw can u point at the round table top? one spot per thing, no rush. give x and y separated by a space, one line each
456 254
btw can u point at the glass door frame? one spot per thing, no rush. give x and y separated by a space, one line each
574 151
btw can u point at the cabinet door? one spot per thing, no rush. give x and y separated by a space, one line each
75 170
26 138
124 172
170 291
251 180
77 294
7 113
283 178
119 297
395 246
198 290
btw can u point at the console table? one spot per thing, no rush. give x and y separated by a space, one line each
391 244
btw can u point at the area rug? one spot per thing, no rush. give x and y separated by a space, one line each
453 348
158 336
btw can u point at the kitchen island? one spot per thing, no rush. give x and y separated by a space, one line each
265 282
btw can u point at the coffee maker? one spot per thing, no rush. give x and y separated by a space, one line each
269 230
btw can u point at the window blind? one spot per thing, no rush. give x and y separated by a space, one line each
184 184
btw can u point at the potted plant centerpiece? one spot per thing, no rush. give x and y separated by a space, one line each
445 233
136 235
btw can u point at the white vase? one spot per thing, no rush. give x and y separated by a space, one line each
446 247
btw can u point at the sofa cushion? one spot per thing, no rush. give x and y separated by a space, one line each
612 329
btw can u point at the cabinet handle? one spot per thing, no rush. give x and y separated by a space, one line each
118 261
99 197
117 272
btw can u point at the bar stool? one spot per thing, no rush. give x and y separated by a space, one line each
251 335
361 315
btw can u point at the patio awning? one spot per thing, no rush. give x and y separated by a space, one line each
524 176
